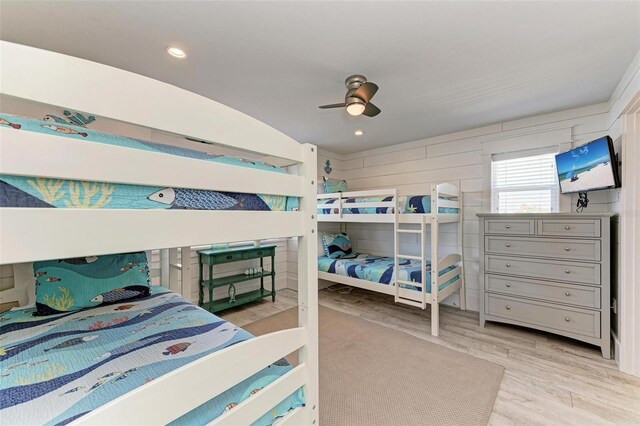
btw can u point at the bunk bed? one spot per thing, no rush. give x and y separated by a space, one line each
41 227
408 277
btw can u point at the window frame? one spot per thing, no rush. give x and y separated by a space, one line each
554 188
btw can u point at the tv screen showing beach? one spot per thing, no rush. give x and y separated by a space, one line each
586 168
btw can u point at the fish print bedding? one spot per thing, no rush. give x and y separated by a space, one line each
419 204
380 269
57 368
33 192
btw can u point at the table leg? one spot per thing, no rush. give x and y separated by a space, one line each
273 278
210 288
262 278
200 284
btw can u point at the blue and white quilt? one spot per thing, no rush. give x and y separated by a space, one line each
57 368
26 191
381 269
419 204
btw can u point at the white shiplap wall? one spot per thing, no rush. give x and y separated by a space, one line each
465 157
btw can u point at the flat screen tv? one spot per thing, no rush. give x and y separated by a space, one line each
588 167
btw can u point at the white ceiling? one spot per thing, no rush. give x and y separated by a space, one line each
441 66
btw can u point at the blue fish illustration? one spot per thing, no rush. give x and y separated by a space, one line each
73 342
73 390
97 385
106 376
188 308
121 294
126 374
196 199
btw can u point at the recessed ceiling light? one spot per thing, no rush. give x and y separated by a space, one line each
176 52
358 133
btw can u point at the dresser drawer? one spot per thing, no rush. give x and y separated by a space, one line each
585 273
544 247
571 320
588 297
569 227
509 226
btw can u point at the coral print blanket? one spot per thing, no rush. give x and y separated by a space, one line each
57 368
27 191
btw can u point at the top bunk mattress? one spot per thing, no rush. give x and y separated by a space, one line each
419 204
34 192
57 368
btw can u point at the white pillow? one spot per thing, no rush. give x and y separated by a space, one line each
25 284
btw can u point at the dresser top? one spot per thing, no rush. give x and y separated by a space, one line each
547 215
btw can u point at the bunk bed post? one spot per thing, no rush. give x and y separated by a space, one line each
185 272
435 269
164 268
463 293
174 272
308 280
396 243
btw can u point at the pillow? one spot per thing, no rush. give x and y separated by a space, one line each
334 185
321 244
336 245
67 285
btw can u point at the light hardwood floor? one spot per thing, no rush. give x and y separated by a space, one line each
548 379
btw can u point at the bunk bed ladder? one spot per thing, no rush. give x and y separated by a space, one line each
406 296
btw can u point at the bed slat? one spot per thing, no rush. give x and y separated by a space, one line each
190 386
251 409
449 260
38 234
448 275
92 161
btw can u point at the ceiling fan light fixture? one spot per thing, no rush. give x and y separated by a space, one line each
355 108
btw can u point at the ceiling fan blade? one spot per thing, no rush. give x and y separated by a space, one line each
371 110
342 105
366 91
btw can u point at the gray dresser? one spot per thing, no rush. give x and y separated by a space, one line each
548 271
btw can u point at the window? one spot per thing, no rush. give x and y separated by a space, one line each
524 182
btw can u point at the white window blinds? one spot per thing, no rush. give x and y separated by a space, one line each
524 182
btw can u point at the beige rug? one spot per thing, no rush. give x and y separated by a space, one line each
374 375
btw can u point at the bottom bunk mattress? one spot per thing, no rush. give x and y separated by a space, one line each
379 269
57 368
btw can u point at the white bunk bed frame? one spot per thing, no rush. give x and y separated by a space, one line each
31 234
443 195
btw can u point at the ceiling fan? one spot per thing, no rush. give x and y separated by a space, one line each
358 97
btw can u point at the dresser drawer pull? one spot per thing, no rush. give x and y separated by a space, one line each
567 294
567 227
508 308
567 319
508 284
507 245
229 257
508 265
567 249
508 226
567 271
259 253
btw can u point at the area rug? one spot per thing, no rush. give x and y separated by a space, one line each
374 375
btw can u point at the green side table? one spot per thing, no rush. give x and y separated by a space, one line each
211 258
